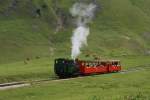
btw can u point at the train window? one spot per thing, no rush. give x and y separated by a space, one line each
116 63
56 61
96 64
87 64
82 64
90 65
113 63
103 63
93 64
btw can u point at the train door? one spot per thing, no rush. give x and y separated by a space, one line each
104 67
109 67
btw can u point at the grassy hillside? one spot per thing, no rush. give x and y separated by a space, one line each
23 34
28 28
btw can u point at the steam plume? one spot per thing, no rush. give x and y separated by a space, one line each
83 14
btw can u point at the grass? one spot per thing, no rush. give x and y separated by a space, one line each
34 69
116 86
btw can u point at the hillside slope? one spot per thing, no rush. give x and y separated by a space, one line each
35 28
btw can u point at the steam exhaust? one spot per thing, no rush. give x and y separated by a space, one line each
84 14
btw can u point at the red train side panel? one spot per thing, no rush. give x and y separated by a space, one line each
114 68
88 67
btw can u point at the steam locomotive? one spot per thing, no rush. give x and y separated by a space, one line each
65 68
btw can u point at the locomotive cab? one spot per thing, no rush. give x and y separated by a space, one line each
66 68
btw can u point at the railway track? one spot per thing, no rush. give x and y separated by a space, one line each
136 68
29 83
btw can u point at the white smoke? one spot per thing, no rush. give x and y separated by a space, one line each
84 14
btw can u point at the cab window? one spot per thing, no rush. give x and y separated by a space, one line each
116 63
103 63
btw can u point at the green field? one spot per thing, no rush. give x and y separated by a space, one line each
30 41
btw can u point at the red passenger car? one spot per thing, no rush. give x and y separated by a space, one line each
91 67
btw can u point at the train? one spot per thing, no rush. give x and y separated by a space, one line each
65 68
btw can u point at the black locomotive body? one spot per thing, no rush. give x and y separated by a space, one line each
66 68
